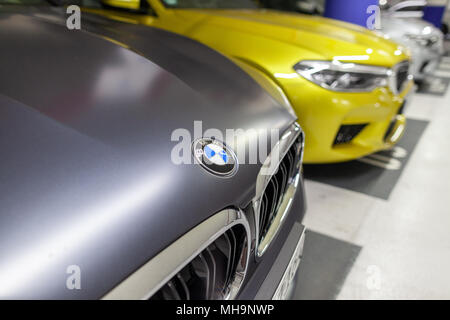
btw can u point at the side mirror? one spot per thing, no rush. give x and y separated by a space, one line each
123 4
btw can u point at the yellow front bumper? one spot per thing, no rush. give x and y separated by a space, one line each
322 113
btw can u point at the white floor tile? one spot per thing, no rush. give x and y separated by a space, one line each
405 240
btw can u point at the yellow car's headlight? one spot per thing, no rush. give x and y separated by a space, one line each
338 76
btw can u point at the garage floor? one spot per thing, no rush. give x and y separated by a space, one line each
382 231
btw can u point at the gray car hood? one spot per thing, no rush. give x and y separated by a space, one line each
86 177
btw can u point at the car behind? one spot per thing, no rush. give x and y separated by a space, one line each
403 24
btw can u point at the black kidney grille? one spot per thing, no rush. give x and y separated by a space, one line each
431 42
347 133
276 187
402 76
209 275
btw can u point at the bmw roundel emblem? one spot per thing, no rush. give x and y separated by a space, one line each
215 157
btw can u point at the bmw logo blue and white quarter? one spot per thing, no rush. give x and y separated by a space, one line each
216 154
215 157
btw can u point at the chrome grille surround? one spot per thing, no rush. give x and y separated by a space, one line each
157 272
293 136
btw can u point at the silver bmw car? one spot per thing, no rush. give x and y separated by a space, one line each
402 23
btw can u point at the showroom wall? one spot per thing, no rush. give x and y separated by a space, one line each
354 11
434 11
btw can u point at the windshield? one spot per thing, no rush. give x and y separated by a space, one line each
210 4
24 2
412 8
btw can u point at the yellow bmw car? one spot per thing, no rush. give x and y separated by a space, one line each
347 85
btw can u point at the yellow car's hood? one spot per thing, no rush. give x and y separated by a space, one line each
325 37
